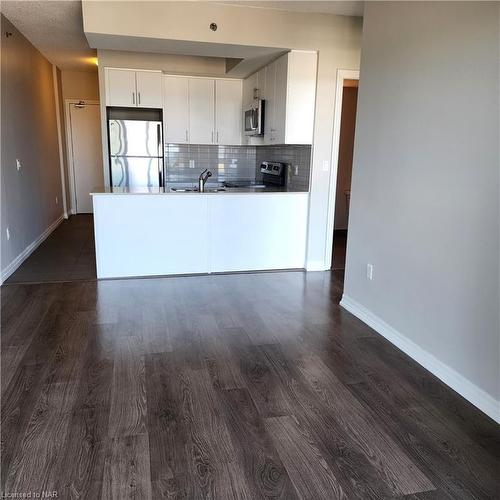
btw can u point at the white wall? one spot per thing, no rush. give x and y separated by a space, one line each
29 133
336 38
424 205
80 85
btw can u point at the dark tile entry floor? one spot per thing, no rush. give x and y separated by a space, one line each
68 254
339 249
250 386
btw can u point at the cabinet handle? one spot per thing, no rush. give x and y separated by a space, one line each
139 94
187 140
133 98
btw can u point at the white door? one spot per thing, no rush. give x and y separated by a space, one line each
86 154
148 89
269 125
120 88
228 111
176 109
201 111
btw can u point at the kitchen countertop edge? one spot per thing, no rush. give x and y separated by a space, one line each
158 192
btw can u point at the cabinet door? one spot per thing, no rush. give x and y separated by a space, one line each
176 109
249 84
148 89
228 111
301 97
280 99
201 111
261 82
120 88
269 124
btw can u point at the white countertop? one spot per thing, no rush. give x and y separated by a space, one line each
162 191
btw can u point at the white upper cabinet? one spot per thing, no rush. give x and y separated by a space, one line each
228 114
249 84
270 92
176 109
280 100
148 89
288 86
131 88
120 88
201 111
300 97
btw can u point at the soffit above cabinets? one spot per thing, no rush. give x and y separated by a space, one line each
247 38
240 60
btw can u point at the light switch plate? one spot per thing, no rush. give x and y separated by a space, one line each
369 271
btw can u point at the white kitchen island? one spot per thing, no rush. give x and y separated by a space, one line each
149 232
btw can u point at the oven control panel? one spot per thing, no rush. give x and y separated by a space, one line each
272 168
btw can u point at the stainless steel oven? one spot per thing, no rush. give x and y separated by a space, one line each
254 118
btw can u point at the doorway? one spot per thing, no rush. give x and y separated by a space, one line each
344 172
340 182
83 130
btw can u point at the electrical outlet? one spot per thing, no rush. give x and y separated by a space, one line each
369 271
296 170
18 164
325 166
8 233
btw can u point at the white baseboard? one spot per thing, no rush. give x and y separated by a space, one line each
29 250
471 392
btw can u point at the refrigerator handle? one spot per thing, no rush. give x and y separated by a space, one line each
160 154
160 173
158 138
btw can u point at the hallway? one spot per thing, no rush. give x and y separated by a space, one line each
68 254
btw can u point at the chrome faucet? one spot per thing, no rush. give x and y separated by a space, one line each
202 179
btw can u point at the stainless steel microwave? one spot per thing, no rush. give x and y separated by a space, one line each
254 118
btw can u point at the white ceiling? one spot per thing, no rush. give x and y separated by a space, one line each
55 27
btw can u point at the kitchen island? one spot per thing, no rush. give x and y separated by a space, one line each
155 232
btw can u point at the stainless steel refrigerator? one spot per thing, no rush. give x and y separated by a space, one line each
136 153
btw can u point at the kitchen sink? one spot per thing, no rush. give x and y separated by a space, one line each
196 190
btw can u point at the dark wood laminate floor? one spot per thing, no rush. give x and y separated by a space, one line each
68 254
232 386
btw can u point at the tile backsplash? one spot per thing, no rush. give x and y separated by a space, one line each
184 162
298 158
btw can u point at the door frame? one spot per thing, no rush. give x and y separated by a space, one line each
69 148
342 74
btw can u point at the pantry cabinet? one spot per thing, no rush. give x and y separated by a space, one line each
131 88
